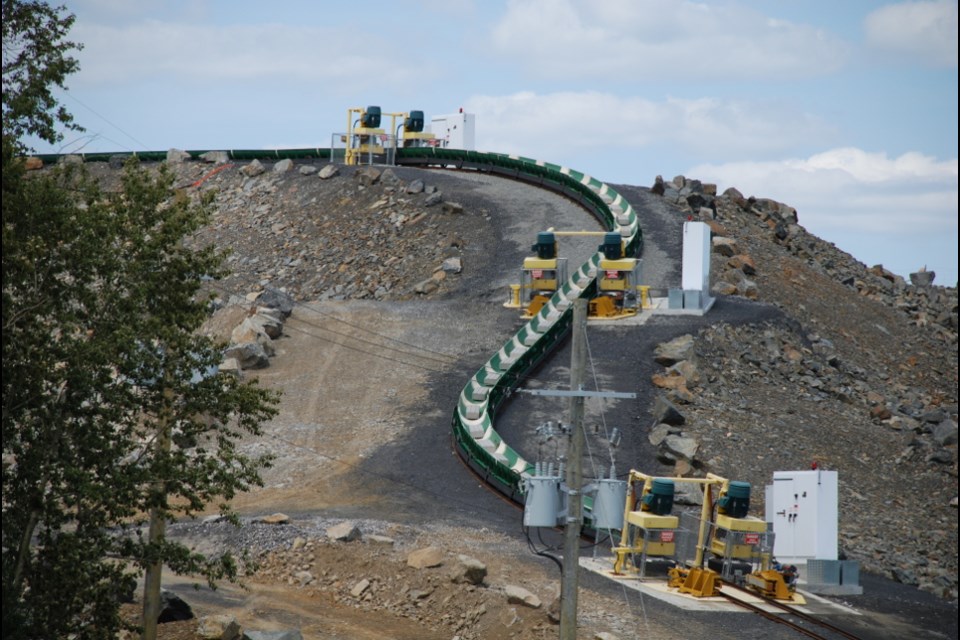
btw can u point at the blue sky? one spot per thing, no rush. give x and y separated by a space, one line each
845 110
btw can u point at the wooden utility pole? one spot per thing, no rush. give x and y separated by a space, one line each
571 538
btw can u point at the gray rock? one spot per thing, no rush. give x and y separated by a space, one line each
176 156
923 278
941 456
360 588
378 539
425 558
657 188
173 608
452 207
344 532
255 168
726 247
268 320
71 159
904 576
250 355
660 432
219 627
665 412
283 166
275 518
215 157
722 288
277 299
389 178
452 265
675 447
748 289
367 176
945 433
415 186
303 578
230 366
672 352
687 370
248 332
434 198
307 170
328 171
519 595
468 570
427 286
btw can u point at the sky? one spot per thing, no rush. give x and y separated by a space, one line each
846 111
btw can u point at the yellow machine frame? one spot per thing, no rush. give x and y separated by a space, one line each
361 141
364 141
697 580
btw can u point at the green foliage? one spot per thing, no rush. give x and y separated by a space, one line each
35 59
101 359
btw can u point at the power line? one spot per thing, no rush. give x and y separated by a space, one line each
91 110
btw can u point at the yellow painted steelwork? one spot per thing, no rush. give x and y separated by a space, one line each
772 584
361 140
700 583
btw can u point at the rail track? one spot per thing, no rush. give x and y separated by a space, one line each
801 616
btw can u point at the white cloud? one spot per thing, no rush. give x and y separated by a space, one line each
559 124
630 39
238 53
900 212
923 30
846 195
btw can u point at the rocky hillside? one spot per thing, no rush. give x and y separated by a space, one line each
859 375
855 369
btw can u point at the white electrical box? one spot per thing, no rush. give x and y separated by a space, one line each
696 256
803 507
455 131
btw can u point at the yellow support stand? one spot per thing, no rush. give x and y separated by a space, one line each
643 292
514 301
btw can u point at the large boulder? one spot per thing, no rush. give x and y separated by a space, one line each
328 171
249 355
173 608
672 352
519 595
367 176
468 570
176 156
425 558
344 532
666 413
923 278
253 169
277 299
219 627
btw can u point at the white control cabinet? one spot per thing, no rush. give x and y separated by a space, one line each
803 507
696 256
455 131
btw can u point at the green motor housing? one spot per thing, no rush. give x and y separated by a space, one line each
736 502
546 246
370 118
660 499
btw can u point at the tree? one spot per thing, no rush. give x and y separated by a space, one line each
112 402
113 405
35 59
